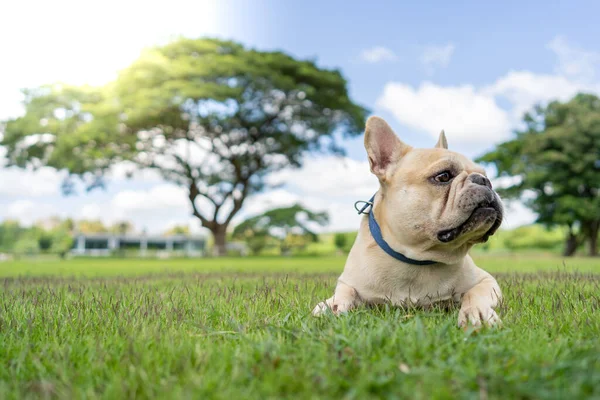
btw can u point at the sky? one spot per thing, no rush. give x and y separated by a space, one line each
471 69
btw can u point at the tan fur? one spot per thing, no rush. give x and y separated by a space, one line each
411 210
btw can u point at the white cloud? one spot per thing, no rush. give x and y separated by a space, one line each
28 212
516 214
92 211
573 61
164 196
154 209
127 170
501 182
473 114
378 54
524 89
437 56
342 216
329 183
575 72
464 112
268 200
29 183
331 176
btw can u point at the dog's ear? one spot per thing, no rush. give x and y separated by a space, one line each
383 147
442 143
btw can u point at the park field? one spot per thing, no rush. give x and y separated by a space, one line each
98 267
241 328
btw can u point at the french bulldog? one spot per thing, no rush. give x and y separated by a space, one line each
434 205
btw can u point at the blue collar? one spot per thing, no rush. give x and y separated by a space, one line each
376 233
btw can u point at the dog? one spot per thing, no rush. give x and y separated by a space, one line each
412 247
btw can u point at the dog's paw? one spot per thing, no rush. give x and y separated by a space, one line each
320 309
330 305
477 316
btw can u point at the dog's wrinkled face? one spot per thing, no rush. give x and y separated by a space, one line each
455 203
434 200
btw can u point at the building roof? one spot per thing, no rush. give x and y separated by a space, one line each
149 238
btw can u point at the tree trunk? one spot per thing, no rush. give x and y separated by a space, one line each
220 238
593 238
570 244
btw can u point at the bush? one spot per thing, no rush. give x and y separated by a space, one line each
340 240
27 246
534 237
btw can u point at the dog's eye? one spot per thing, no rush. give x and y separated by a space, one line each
443 177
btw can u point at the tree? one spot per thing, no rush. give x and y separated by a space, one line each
210 115
256 241
555 165
340 240
67 128
26 245
53 235
178 230
10 232
91 227
533 237
44 238
291 226
122 228
61 241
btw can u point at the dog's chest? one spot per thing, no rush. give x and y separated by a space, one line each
422 285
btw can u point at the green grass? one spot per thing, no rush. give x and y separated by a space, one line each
128 267
240 328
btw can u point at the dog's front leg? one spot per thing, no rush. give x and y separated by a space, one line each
478 304
344 299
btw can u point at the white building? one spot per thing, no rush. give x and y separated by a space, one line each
140 245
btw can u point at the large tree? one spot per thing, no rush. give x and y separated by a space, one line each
210 115
290 226
68 128
555 165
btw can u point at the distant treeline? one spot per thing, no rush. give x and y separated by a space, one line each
18 239
525 238
56 235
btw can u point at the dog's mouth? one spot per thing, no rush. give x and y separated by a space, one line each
485 213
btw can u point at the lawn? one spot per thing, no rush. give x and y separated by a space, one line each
241 328
128 267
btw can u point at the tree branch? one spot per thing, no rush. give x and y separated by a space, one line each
193 193
237 204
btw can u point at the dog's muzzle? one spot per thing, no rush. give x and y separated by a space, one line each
488 211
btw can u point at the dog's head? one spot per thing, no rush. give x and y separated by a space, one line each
433 203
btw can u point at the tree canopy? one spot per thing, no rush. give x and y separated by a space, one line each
290 226
555 165
67 128
210 115
54 237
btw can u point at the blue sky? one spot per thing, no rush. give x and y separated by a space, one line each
470 68
489 40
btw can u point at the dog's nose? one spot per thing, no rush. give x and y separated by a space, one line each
479 179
